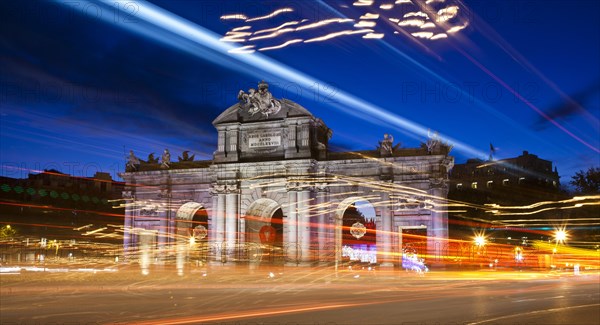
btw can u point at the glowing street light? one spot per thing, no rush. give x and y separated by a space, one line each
560 236
480 240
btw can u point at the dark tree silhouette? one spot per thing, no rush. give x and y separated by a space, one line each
587 182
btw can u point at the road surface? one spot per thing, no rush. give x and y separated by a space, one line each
298 296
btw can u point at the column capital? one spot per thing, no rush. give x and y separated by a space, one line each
321 187
299 185
225 188
438 183
128 195
165 193
217 189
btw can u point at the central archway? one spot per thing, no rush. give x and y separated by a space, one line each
264 232
347 247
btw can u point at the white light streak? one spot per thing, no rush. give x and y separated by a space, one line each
386 6
457 28
411 22
428 25
274 34
423 34
234 17
369 16
447 14
416 14
360 3
241 28
281 45
233 34
336 34
362 24
373 36
324 22
438 36
271 15
243 50
289 23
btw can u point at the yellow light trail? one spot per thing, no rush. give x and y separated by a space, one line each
542 203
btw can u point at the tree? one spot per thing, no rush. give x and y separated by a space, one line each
587 182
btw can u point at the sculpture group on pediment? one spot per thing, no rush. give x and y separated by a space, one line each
260 101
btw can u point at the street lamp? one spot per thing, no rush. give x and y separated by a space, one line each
480 240
560 235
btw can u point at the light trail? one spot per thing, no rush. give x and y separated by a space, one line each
268 30
271 15
212 49
337 34
324 23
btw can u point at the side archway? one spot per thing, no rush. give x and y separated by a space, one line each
192 222
360 208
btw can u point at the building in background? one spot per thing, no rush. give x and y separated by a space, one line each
513 182
51 204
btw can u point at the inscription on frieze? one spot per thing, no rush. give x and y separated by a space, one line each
264 139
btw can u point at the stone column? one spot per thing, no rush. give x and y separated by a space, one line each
231 221
291 242
220 225
322 220
164 219
304 224
212 226
386 256
437 234
128 223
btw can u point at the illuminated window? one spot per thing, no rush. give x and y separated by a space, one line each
554 183
459 186
489 184
474 185
505 182
521 179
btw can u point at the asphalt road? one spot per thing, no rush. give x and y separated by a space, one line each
299 296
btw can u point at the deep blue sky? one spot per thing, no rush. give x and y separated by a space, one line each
77 91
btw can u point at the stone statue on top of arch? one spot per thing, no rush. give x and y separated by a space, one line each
386 146
133 162
259 101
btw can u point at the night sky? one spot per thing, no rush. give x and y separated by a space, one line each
83 82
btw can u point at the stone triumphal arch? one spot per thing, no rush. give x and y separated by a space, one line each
275 193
